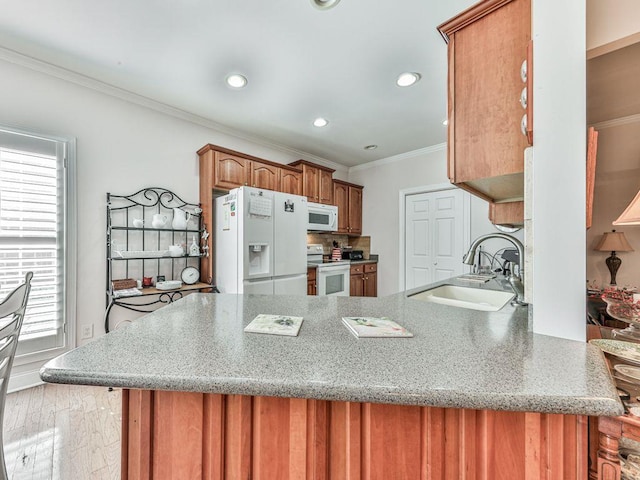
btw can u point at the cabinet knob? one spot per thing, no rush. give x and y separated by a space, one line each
523 125
523 98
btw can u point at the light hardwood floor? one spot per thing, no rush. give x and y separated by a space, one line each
63 432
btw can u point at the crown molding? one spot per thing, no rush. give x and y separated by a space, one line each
11 56
616 122
400 157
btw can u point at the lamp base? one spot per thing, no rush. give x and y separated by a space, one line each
613 264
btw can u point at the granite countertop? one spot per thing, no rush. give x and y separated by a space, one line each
457 358
360 262
351 262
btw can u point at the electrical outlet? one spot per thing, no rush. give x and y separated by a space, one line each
86 332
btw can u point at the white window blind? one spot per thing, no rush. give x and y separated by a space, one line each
32 233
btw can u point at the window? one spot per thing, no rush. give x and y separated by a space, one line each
35 235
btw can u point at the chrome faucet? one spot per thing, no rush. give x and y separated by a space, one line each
516 281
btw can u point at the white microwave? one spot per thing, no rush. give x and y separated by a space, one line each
322 218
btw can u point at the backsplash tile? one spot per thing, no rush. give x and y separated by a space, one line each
326 239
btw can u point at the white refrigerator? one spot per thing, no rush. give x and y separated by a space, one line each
260 242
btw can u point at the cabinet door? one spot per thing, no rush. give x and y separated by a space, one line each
310 183
290 182
230 171
487 46
371 284
356 285
341 200
311 287
326 187
311 281
265 176
355 211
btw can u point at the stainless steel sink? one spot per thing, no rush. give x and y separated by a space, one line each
466 297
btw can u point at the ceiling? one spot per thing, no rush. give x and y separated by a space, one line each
301 63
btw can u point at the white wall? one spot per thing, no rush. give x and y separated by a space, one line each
617 174
609 21
382 181
121 148
559 168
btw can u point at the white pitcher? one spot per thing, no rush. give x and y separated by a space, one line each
159 220
180 219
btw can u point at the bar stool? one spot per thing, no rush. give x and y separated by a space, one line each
11 315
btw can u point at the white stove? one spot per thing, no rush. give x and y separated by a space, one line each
332 277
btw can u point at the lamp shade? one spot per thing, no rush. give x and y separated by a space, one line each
614 242
631 215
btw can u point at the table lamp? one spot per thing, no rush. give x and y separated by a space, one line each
631 214
613 242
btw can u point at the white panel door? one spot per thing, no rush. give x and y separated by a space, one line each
448 239
418 246
434 239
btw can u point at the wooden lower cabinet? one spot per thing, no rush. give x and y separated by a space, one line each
363 280
184 435
605 446
312 287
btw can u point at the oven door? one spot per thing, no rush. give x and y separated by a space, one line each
333 280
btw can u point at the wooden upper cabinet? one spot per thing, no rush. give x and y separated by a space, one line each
510 213
310 183
348 198
341 200
230 171
317 182
265 176
325 186
487 45
290 181
355 210
226 169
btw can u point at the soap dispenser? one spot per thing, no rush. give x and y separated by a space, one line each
194 249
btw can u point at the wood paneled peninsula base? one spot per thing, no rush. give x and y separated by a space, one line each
182 435
472 394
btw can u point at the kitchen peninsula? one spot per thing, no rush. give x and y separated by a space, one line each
472 392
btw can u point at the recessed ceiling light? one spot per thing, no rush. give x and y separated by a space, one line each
324 4
235 80
407 79
371 147
445 122
320 122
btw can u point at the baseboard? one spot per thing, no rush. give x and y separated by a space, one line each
21 381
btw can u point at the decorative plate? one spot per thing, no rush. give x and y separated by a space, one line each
625 350
632 373
622 311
